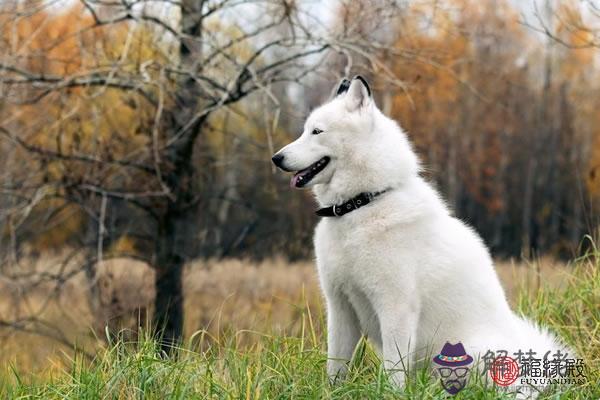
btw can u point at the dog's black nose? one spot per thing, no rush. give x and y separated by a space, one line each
278 160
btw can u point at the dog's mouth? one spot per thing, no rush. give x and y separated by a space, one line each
302 177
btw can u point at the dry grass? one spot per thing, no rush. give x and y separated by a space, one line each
221 296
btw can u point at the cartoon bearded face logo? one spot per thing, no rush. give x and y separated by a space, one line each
453 367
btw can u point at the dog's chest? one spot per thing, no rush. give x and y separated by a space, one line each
342 258
347 269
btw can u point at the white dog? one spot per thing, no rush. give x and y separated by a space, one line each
393 262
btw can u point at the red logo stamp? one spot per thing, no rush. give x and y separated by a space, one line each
504 371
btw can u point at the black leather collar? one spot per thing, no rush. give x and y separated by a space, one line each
337 210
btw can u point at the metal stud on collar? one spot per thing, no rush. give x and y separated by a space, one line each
350 205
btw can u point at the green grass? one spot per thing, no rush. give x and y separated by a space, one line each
293 366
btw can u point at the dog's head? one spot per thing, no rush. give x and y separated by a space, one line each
347 146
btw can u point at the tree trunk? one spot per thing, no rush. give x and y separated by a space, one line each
168 304
174 243
175 229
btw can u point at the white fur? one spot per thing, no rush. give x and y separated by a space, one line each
401 270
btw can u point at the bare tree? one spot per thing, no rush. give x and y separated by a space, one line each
206 56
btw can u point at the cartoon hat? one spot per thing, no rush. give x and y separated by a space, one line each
453 355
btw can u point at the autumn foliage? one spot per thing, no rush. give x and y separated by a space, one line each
505 120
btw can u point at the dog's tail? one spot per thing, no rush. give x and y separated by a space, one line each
537 345
541 341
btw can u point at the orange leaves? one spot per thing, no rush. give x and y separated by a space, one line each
48 42
63 46
463 53
76 129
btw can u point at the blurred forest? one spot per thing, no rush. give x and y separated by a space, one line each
143 129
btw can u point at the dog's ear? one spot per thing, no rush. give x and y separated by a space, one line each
340 88
359 94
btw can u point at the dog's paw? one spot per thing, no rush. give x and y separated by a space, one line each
336 370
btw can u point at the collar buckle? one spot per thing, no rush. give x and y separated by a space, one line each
338 210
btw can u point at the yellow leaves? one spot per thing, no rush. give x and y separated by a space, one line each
96 121
61 222
476 87
124 245
593 176
454 75
48 43
577 68
230 37
573 32
98 124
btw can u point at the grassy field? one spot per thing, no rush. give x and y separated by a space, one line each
265 340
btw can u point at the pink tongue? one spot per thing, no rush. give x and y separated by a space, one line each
294 180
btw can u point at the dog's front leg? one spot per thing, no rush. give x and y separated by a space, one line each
398 329
343 333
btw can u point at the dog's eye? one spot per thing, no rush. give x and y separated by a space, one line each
316 131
